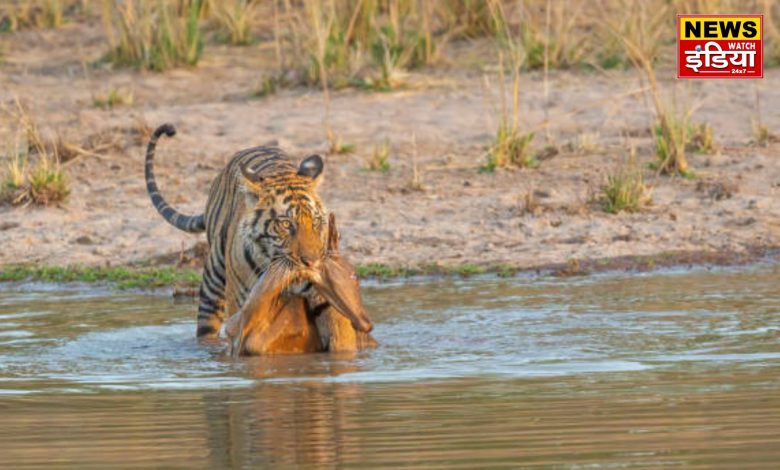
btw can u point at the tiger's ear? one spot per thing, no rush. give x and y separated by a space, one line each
253 185
311 167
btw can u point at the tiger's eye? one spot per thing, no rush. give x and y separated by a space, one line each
286 224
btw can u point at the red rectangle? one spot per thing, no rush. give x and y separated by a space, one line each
720 46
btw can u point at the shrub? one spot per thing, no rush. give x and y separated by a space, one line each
113 97
701 139
47 181
641 32
624 189
41 182
33 14
44 183
510 147
234 19
380 159
153 35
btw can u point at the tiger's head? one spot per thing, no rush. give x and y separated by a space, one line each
285 218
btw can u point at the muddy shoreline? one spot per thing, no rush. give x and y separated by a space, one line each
182 277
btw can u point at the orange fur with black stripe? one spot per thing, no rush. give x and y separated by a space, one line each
262 207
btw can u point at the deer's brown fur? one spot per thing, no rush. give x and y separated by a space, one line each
336 331
274 322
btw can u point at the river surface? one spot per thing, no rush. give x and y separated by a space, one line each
677 368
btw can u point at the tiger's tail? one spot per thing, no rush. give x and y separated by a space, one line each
188 223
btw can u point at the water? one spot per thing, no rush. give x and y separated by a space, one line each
613 371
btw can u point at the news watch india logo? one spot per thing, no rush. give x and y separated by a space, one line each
720 46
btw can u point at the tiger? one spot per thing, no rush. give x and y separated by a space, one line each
261 208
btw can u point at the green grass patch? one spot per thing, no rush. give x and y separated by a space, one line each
380 270
468 269
510 147
123 277
147 277
505 270
343 148
624 189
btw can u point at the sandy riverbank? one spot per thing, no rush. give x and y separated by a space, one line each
440 124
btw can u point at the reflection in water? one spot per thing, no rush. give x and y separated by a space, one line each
687 419
468 422
667 369
276 424
269 424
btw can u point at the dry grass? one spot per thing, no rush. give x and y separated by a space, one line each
32 173
34 14
269 85
47 183
701 138
771 10
14 175
338 146
113 97
672 137
585 143
380 159
529 204
761 134
374 43
511 146
152 35
624 188
465 18
641 30
396 47
234 20
364 43
320 25
140 131
712 7
416 183
552 33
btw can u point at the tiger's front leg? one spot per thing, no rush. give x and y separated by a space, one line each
211 308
